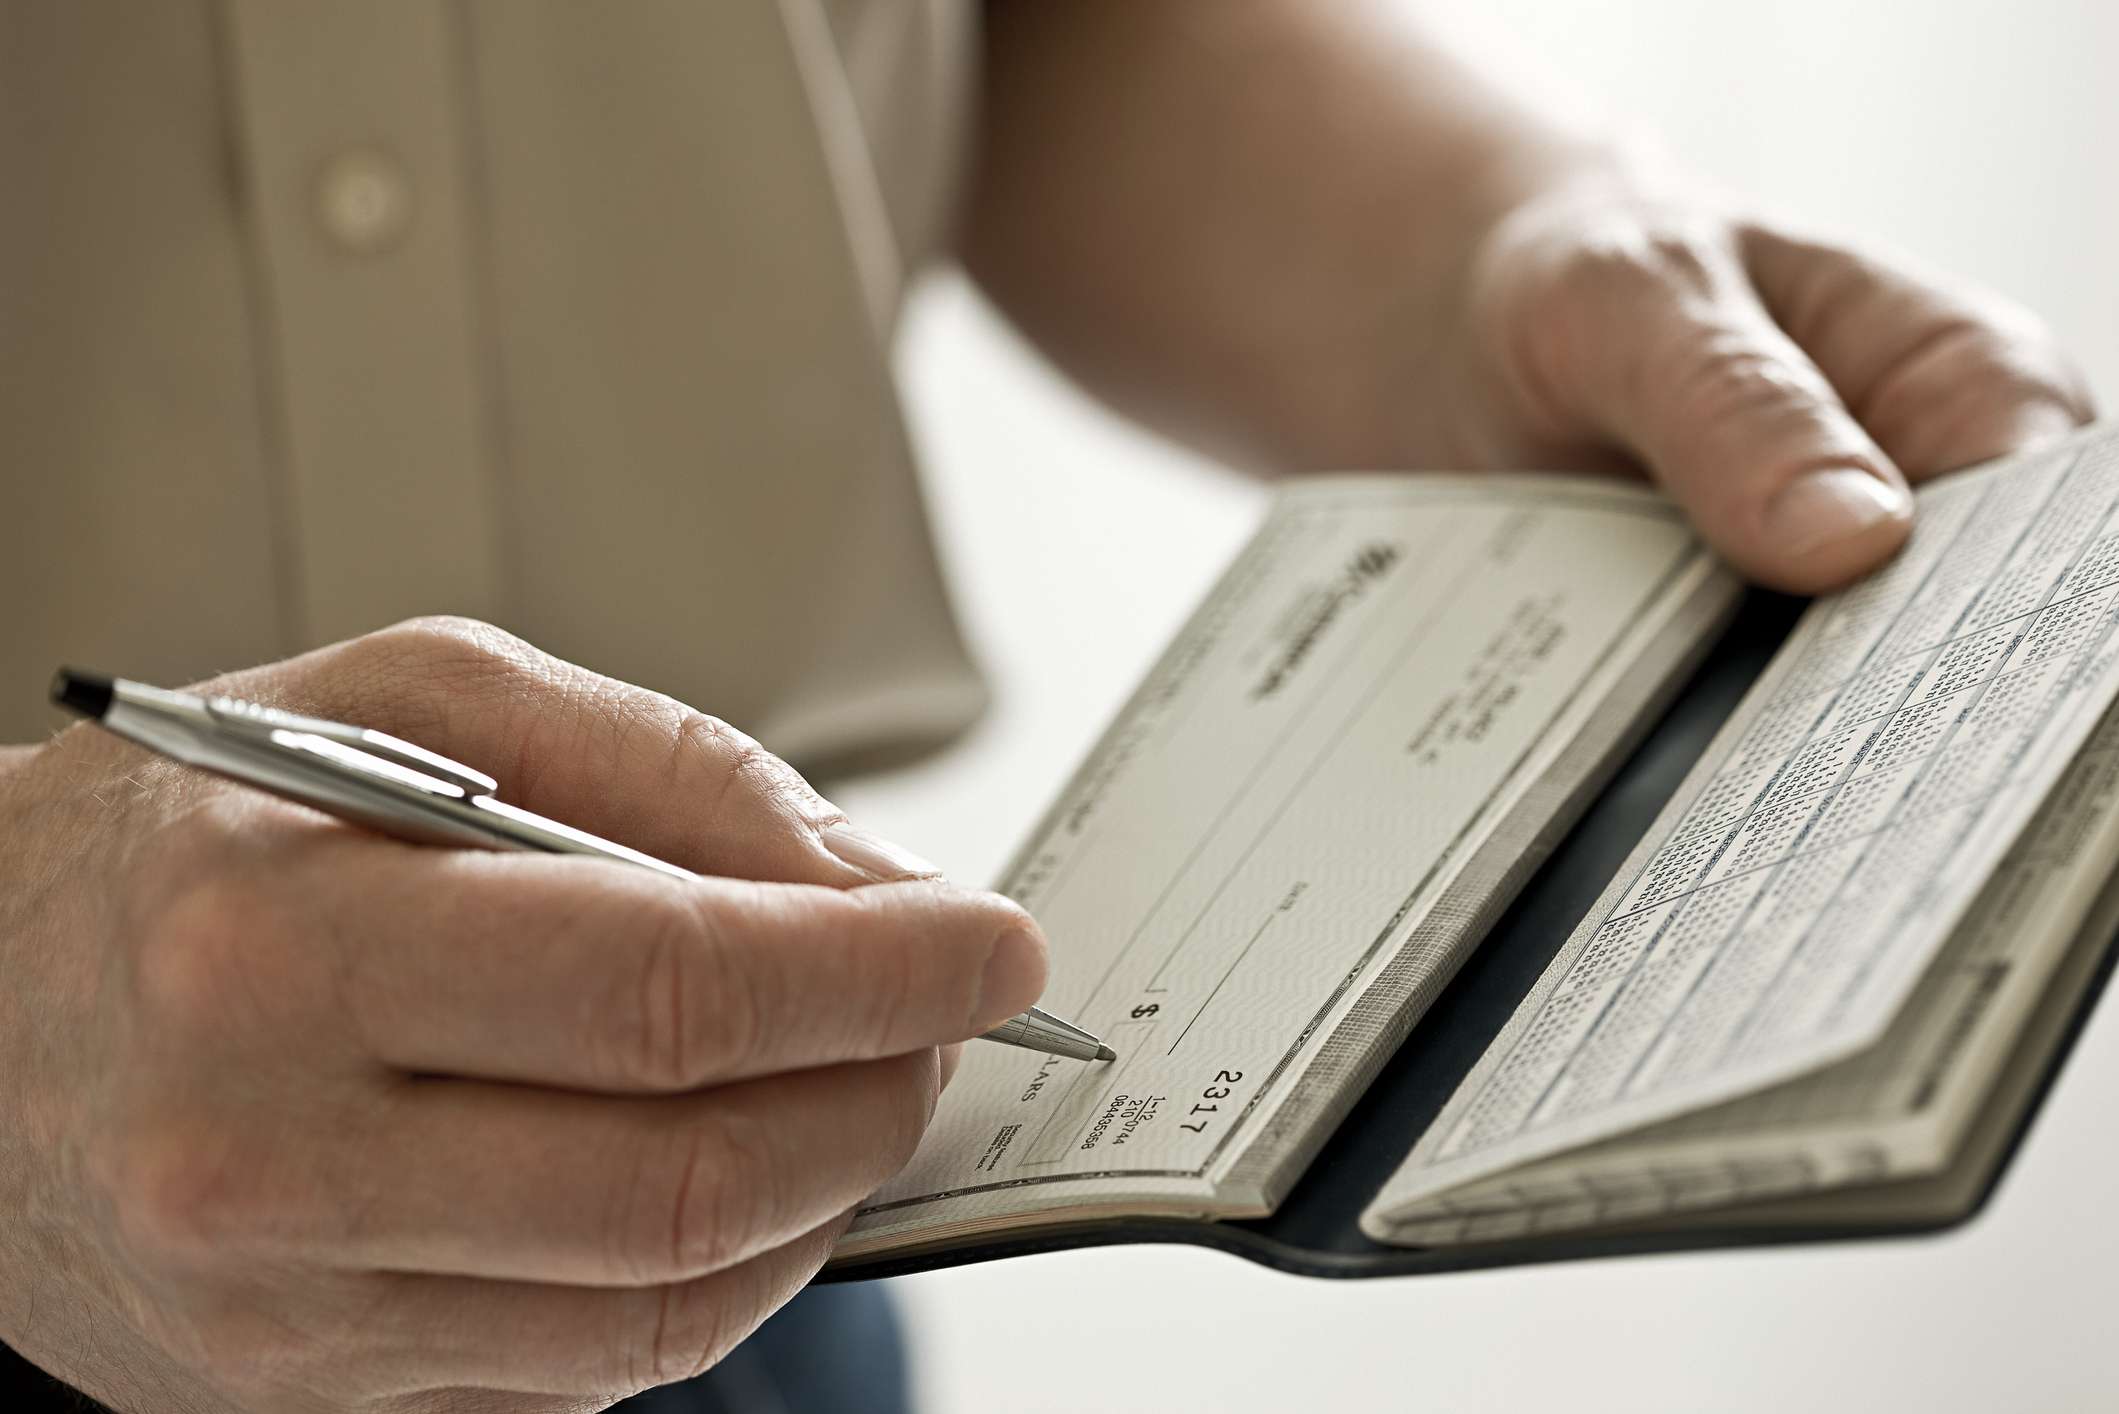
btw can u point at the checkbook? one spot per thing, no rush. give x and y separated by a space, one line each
1484 876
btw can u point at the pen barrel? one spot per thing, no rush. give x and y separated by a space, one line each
1037 1030
511 827
178 727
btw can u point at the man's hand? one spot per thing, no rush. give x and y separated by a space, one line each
1785 389
1320 236
298 1117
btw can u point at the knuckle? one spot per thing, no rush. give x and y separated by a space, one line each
660 1040
735 756
740 765
710 1195
175 1200
738 970
1608 269
446 636
1683 259
703 736
729 1206
201 837
1721 374
190 957
694 1003
1577 299
441 651
685 1333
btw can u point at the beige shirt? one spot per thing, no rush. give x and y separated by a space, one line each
316 314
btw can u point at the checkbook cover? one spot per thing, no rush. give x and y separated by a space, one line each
1316 1230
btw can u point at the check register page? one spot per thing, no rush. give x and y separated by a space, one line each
1821 857
1363 740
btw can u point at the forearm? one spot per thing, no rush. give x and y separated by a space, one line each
1245 220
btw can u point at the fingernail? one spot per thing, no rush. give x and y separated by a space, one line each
1828 506
873 855
1014 975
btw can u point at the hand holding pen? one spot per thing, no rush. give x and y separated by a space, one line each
538 1115
371 778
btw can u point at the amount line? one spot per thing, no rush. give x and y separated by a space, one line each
1231 972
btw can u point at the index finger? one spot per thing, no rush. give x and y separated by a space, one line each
1942 375
595 975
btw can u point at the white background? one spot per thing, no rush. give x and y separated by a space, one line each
1980 134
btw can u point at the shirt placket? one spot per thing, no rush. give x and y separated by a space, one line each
354 185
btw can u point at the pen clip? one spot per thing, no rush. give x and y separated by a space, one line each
263 722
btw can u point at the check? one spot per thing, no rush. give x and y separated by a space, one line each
1364 739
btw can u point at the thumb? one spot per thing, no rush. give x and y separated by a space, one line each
616 760
1736 422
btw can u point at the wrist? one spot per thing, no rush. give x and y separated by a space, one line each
1404 381
1454 389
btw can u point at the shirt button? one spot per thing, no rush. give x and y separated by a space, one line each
364 201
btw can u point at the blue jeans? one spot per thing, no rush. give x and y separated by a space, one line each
832 1350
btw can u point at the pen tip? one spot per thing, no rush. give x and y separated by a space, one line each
86 693
1104 1053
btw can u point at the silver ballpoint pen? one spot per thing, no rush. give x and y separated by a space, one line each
391 786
